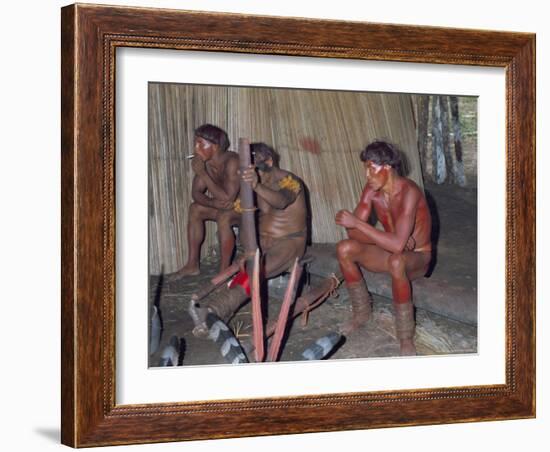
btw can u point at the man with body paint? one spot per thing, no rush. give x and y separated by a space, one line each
216 171
402 249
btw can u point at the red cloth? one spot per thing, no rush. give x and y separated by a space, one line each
241 279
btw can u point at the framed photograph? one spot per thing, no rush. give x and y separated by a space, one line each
295 121
173 328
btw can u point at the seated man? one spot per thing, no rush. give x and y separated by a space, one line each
403 249
282 225
216 170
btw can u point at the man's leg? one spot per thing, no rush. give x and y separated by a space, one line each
280 254
226 219
405 267
351 254
195 235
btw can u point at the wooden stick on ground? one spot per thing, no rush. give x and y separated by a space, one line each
282 321
216 281
257 321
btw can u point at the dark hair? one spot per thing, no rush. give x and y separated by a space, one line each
382 153
214 135
266 152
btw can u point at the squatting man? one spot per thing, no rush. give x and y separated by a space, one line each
402 249
216 170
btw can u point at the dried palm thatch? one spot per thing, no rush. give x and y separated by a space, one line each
318 134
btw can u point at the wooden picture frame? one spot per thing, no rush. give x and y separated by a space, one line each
90 36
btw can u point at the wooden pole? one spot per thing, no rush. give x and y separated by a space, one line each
248 217
251 249
422 127
439 170
444 102
257 320
309 300
457 133
282 321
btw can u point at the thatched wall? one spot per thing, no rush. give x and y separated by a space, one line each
318 134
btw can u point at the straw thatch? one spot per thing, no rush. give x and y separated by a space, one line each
318 134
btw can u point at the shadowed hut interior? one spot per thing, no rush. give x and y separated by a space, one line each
318 135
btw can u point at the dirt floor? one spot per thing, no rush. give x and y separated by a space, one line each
455 233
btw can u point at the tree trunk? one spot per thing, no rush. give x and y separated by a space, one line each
423 106
460 177
444 101
439 170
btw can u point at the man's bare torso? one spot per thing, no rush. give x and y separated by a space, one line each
282 222
218 171
389 208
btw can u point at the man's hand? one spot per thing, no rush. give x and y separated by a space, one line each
250 176
346 219
222 205
198 165
411 244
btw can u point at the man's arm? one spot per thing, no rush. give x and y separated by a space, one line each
198 188
395 242
289 188
228 191
362 212
363 209
232 182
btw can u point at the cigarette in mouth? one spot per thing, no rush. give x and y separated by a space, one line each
190 156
